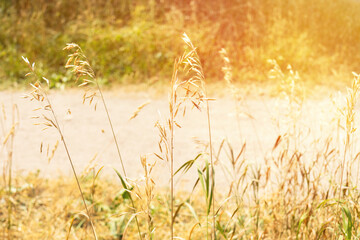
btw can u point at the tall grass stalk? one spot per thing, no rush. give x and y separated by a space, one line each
8 144
149 193
82 69
228 75
349 114
196 66
239 100
190 88
111 126
212 170
172 116
40 94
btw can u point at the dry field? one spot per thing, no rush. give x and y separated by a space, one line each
94 164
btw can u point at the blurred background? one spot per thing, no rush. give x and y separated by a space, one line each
136 41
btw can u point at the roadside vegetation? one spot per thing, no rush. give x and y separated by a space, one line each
298 190
306 186
137 41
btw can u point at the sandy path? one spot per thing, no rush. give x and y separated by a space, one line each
87 132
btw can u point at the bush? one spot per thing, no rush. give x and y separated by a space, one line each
136 41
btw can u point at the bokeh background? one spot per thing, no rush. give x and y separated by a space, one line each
136 41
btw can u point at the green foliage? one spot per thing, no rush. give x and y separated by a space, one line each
205 180
347 223
137 41
126 193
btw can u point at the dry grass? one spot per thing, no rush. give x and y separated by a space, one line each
48 119
302 188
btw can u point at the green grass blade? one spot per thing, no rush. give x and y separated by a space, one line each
122 180
192 210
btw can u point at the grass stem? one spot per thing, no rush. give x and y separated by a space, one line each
71 163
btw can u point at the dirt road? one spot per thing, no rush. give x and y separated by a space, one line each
87 132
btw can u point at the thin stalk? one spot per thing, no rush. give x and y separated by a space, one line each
72 165
10 151
212 169
148 200
118 150
9 188
84 69
137 222
343 163
172 100
207 226
111 126
357 175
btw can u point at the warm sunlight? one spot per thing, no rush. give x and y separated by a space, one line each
192 119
